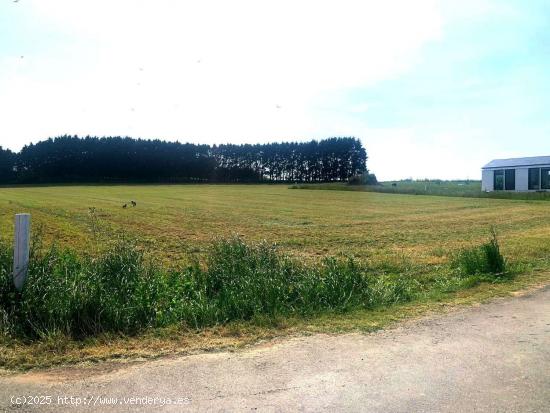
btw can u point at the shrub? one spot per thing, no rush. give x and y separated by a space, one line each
496 264
484 259
363 179
120 290
245 281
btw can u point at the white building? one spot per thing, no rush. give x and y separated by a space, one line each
518 174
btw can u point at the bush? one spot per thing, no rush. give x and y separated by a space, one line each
122 291
363 179
245 281
485 259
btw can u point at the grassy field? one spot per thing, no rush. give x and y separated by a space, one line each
468 189
427 187
405 248
180 221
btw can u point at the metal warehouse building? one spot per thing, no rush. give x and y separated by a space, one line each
517 174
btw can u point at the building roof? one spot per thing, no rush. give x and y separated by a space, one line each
516 162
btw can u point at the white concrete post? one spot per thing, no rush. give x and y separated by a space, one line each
21 247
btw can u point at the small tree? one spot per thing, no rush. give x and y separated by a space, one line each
363 179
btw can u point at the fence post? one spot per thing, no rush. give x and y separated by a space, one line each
21 249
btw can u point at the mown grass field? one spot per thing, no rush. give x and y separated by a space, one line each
176 222
404 247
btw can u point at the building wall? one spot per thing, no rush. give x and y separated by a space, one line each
522 179
487 180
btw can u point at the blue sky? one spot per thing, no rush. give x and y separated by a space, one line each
433 88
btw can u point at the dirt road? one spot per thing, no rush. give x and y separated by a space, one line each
491 358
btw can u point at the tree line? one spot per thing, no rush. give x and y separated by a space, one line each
123 159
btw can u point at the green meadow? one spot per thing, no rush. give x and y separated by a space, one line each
179 222
195 267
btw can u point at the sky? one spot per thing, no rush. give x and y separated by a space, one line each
434 89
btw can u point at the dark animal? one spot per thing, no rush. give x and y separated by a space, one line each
133 203
394 184
124 206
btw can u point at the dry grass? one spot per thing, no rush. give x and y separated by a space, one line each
177 221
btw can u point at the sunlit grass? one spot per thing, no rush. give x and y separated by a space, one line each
180 221
387 250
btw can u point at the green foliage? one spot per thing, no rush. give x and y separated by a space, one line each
7 162
365 178
245 281
464 189
69 159
484 259
122 291
7 289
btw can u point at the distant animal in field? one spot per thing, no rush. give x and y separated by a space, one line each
394 184
125 206
134 203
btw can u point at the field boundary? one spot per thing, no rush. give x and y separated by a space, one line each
404 189
119 350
